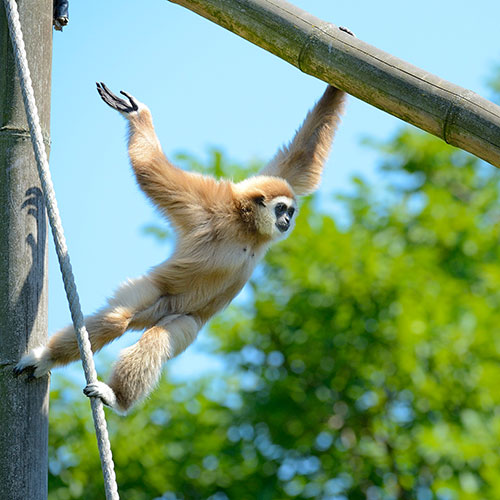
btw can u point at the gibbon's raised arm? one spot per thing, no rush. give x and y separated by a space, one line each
179 194
301 162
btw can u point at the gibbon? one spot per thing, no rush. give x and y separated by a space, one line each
223 229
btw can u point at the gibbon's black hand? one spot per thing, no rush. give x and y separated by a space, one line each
347 30
116 102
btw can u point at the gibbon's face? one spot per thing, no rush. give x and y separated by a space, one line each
277 217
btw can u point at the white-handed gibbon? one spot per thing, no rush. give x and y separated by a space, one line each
223 229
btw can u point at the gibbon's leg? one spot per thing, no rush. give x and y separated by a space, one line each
104 326
139 367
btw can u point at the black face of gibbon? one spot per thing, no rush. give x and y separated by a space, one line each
284 214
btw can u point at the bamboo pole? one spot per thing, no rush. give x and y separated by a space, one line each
458 116
23 260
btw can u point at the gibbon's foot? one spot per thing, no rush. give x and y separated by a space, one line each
29 370
116 102
36 364
347 30
102 391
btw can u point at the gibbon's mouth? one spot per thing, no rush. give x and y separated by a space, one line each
282 226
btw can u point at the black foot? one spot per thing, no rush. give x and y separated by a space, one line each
116 102
102 391
29 370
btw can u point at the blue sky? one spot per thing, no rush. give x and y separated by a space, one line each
207 87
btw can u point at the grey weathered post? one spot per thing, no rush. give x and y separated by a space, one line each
23 260
456 115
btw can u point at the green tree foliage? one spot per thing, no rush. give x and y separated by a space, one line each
363 364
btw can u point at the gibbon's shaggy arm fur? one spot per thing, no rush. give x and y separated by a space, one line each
301 162
180 195
223 230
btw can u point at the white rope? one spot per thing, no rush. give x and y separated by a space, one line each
60 243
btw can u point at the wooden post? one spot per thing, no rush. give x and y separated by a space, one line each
458 116
23 260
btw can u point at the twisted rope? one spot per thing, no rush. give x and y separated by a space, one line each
60 243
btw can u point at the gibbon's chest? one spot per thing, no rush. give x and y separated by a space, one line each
237 257
228 271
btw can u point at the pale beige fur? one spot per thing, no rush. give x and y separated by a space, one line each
223 230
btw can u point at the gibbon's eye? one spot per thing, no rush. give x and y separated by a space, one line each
280 209
291 211
259 200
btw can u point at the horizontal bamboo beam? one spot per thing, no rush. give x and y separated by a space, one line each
457 115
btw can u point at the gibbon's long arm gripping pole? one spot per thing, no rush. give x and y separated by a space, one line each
457 115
